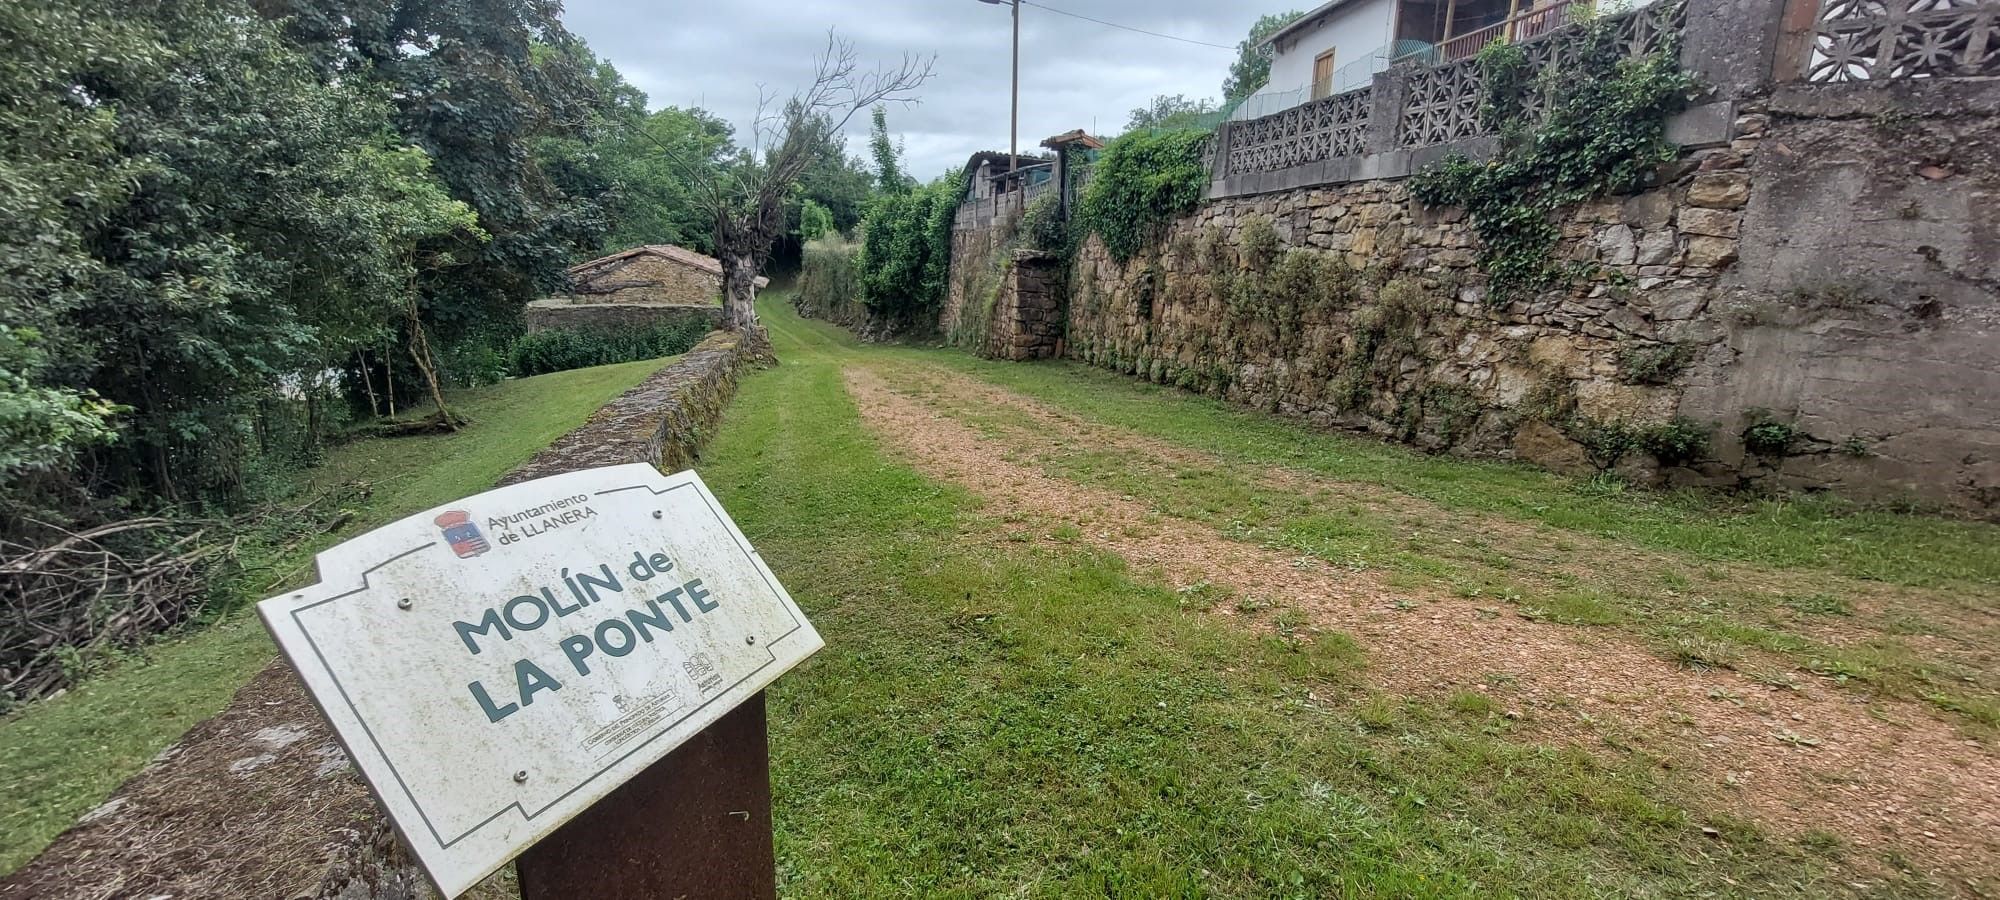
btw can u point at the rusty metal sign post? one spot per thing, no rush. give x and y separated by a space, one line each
575 665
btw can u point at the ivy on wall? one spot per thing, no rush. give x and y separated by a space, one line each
1142 180
1603 132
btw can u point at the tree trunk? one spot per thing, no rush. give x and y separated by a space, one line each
739 291
420 351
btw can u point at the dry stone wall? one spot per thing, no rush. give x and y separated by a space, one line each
572 312
1003 300
1831 271
1027 318
651 279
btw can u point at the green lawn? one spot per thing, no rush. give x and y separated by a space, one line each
1818 532
61 757
992 718
1784 590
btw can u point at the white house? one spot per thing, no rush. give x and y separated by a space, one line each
1341 44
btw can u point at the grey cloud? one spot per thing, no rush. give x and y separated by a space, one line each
1074 74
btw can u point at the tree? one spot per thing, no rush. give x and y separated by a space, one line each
60 173
1252 68
888 156
242 225
488 89
749 201
814 220
1170 111
906 251
653 199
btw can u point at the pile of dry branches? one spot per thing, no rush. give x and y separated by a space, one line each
84 593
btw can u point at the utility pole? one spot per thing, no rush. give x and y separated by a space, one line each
1014 117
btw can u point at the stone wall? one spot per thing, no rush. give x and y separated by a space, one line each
260 800
574 312
652 279
1027 321
980 251
1867 309
664 420
1832 270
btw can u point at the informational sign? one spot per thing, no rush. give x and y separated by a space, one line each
496 665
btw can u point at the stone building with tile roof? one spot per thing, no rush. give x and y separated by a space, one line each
646 284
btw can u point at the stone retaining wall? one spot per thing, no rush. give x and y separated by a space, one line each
1027 319
664 420
568 312
260 800
1834 270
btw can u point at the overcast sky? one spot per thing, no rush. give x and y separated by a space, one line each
1074 74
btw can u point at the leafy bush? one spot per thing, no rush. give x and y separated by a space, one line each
1768 435
1043 225
43 426
1605 443
1674 442
815 221
830 280
906 251
1142 180
561 349
1678 441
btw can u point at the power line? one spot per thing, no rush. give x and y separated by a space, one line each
1064 12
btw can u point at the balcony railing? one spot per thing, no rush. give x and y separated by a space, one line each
1530 24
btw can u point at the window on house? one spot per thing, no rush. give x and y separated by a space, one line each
1323 75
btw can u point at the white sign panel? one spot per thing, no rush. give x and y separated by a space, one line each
498 664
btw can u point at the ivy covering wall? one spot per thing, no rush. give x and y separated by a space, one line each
1601 130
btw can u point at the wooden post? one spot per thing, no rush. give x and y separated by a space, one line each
696 824
1513 13
1450 13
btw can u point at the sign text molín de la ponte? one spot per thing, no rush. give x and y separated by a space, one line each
497 665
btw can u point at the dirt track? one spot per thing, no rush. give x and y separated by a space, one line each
1881 774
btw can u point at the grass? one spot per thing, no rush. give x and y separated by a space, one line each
1814 532
1743 582
63 756
1031 719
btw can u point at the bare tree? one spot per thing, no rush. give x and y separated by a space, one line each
748 200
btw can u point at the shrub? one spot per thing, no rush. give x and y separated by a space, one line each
906 251
830 280
815 221
1768 435
1043 225
561 349
1142 180
1604 442
1678 441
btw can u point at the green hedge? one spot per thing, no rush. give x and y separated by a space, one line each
561 349
830 281
906 251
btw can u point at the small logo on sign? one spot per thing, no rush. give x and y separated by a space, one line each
462 533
